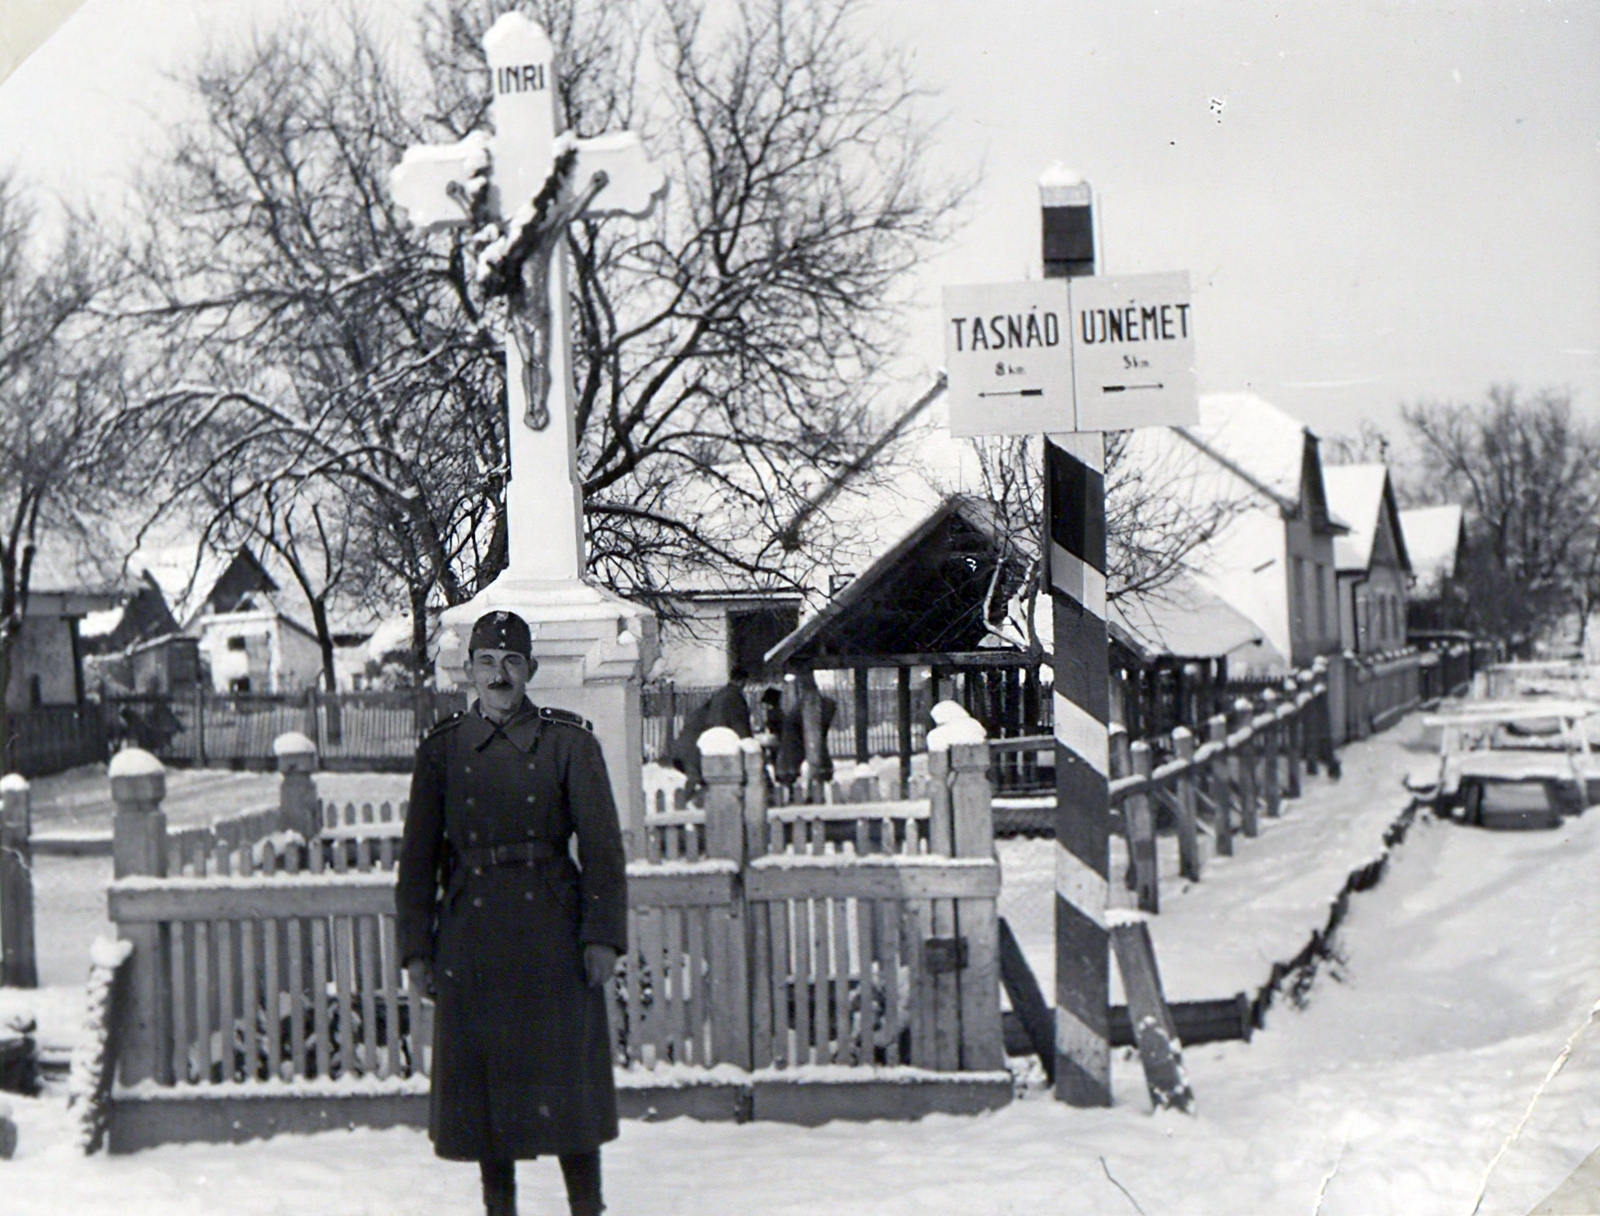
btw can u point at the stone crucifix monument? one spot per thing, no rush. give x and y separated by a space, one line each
521 188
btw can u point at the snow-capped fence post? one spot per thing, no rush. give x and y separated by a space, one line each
722 764
1293 735
139 849
755 798
94 1061
1141 831
1188 835
1243 741
976 924
1322 715
1271 748
1220 784
298 805
1153 1028
19 966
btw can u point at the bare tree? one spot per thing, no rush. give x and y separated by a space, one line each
315 344
57 384
1369 445
726 359
312 538
1528 473
1153 525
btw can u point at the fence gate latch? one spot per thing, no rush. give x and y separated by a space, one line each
941 955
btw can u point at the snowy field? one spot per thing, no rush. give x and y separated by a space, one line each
1399 1087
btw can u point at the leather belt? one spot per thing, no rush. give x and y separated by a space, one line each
520 852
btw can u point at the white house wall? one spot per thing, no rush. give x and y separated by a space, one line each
44 650
277 658
1243 565
694 650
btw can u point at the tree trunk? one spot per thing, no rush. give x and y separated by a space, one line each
419 659
330 674
8 743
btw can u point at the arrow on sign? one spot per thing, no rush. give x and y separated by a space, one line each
1127 388
1016 392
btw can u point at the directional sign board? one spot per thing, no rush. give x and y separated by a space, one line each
1133 352
1083 354
1009 357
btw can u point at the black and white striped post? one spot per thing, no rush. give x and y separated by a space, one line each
1076 506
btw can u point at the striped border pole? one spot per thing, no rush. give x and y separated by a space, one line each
1075 489
1075 501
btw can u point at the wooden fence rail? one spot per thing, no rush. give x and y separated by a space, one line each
265 991
1250 762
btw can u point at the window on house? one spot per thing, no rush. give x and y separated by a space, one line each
35 691
1324 625
753 632
239 684
235 643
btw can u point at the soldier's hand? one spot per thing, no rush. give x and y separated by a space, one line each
420 971
599 963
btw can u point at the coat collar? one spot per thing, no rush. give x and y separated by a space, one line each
522 730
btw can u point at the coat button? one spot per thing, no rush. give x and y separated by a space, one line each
530 797
472 835
468 768
476 902
527 895
530 833
477 871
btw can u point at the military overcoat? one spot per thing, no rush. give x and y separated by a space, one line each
522 1061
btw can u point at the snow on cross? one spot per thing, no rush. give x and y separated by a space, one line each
516 191
527 169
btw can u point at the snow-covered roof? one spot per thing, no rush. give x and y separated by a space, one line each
1355 495
1244 451
1432 537
1181 620
1262 442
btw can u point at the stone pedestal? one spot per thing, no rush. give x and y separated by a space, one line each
594 651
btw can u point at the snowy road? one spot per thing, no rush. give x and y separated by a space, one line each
1461 979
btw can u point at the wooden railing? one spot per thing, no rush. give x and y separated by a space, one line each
1248 764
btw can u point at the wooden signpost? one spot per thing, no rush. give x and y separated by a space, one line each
1072 360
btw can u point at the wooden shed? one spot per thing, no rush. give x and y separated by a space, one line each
922 612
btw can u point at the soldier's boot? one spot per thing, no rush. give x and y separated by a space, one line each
582 1174
499 1187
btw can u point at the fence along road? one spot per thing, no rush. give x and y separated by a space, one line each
834 952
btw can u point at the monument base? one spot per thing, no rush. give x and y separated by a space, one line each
594 651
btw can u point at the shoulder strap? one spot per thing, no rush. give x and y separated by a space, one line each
446 724
551 714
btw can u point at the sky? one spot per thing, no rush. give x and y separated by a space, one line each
1377 203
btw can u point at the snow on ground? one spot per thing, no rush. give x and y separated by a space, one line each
1457 984
1221 935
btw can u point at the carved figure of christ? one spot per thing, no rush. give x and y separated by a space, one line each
546 184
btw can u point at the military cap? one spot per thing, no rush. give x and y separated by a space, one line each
501 631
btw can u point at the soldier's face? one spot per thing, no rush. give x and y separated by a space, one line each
500 678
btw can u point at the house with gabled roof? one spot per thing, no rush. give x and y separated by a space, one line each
233 620
1435 539
47 658
1374 568
1271 555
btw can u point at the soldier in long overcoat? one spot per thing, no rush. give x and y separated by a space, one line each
515 939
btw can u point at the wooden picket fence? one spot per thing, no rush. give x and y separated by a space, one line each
265 991
853 933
